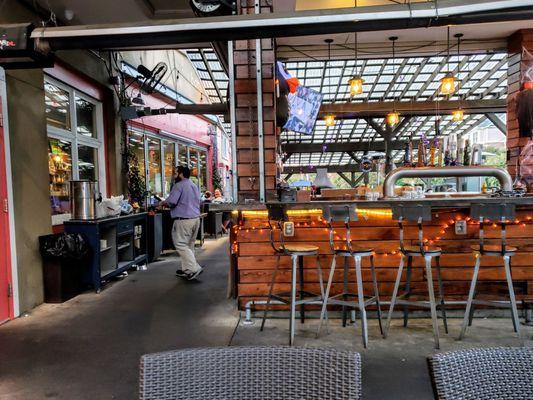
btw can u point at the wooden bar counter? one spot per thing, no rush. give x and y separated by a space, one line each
253 258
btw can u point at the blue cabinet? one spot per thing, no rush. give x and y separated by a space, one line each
117 244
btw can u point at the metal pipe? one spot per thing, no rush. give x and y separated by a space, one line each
300 23
260 128
233 121
501 174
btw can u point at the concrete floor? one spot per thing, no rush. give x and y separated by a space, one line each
89 347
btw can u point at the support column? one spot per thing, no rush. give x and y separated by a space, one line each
517 67
248 160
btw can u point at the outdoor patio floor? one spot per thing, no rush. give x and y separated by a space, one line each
89 347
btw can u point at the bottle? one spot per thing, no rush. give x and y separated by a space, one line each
466 153
484 189
453 149
421 162
433 152
407 156
447 158
460 152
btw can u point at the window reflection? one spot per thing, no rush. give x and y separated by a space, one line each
154 166
168 147
193 165
203 171
85 116
57 106
87 163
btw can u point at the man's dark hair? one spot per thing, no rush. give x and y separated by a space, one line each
184 170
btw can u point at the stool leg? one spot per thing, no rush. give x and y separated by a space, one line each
326 295
301 292
293 298
361 300
433 307
470 296
514 309
267 305
441 295
376 292
407 290
394 294
322 293
344 291
472 308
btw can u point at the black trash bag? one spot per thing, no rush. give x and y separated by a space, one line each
67 246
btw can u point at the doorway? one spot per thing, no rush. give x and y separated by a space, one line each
6 304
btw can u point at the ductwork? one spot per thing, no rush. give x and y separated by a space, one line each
301 23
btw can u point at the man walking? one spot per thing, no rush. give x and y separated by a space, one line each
184 203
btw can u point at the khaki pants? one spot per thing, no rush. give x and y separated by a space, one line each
184 232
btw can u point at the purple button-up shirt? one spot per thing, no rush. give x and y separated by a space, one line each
184 200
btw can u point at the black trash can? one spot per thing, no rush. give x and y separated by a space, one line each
63 257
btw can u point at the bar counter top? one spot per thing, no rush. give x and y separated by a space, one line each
441 202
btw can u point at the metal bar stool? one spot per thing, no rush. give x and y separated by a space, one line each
345 213
297 252
419 214
499 213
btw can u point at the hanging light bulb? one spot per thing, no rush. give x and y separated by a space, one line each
392 118
458 115
356 85
356 82
329 120
447 84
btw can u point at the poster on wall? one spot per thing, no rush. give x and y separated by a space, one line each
304 105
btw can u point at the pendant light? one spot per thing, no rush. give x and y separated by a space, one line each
459 114
330 118
447 84
356 82
393 118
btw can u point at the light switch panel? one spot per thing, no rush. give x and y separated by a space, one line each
288 229
460 227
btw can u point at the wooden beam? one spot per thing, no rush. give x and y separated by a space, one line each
417 108
309 169
498 123
342 147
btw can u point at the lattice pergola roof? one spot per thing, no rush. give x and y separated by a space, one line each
211 73
480 76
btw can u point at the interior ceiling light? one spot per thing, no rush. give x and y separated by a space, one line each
356 82
459 114
330 118
447 84
393 117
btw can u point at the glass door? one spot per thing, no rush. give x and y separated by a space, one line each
155 177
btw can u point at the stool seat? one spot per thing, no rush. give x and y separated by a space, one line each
300 247
494 248
427 249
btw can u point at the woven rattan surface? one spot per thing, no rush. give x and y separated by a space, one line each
484 374
251 373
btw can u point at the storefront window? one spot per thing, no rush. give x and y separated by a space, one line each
75 144
88 163
85 117
57 102
154 166
193 165
136 144
168 148
182 155
203 171
60 172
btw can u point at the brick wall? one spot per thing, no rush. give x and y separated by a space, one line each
516 42
246 103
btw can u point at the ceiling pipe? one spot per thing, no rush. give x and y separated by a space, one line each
301 23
